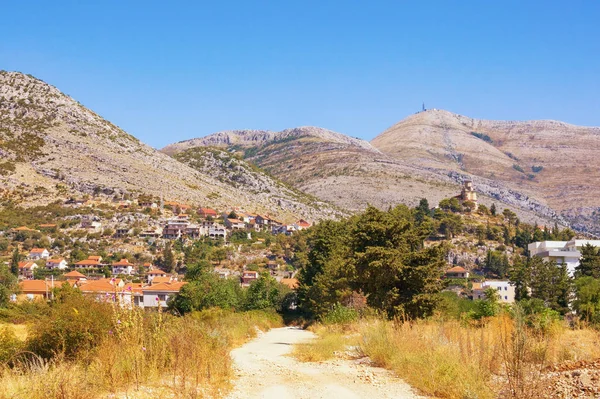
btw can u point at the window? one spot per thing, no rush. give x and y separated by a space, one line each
161 297
505 288
499 288
506 298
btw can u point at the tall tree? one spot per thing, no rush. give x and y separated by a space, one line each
168 259
589 263
14 262
519 277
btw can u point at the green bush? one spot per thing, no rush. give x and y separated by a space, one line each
73 328
340 314
10 345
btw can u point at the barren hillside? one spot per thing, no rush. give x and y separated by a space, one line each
52 147
351 173
553 162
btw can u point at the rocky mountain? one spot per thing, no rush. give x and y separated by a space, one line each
554 162
52 147
351 173
533 168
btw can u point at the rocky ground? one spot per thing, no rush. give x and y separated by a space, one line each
574 380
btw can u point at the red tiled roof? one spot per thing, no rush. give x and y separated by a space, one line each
34 286
75 273
122 262
88 262
174 286
37 250
156 271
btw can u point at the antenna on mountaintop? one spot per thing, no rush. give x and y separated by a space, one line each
424 109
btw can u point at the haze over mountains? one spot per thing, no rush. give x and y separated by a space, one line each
51 146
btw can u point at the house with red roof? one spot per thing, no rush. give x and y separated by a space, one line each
39 253
123 267
206 212
26 269
157 295
90 262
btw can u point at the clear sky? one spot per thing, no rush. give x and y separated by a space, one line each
170 70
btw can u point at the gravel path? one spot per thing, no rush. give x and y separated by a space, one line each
264 370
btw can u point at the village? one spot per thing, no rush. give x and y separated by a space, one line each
128 266
138 233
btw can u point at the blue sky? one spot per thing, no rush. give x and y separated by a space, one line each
168 71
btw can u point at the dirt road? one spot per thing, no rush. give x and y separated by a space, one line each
263 370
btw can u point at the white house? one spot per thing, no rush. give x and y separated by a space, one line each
122 267
39 253
56 264
157 295
567 252
152 273
506 291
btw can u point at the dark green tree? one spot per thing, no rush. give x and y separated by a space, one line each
519 277
589 263
493 209
14 262
168 259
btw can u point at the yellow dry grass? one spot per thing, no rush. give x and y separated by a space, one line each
332 340
457 360
146 356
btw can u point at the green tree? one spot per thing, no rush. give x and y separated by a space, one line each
380 254
519 277
205 291
587 302
14 262
266 293
493 209
589 263
168 259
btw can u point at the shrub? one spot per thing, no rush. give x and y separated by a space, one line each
10 345
73 328
518 168
340 314
483 137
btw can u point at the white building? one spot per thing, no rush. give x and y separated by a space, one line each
39 253
567 252
56 264
158 294
506 291
122 267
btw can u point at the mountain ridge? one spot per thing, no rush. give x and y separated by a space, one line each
53 147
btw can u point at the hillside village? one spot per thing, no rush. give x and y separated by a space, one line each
118 249
136 251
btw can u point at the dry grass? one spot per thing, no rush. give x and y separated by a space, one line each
146 355
331 342
455 360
